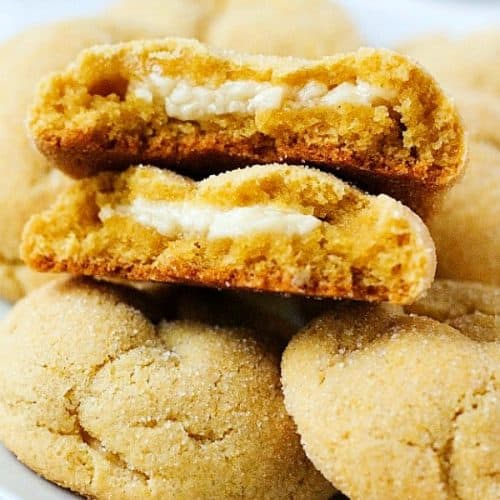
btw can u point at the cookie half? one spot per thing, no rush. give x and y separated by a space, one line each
373 115
273 228
99 399
390 405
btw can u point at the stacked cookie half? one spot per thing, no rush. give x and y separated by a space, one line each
197 167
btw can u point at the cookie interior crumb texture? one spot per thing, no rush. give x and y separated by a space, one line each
269 227
396 406
97 398
372 115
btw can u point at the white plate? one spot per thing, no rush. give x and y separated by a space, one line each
382 23
17 482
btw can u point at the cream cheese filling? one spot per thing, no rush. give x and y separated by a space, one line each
184 100
172 218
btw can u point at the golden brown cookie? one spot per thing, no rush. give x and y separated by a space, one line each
471 61
275 228
372 116
396 406
29 184
97 398
300 28
466 229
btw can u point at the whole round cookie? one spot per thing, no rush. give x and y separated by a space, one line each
466 229
471 61
97 398
300 28
29 184
391 405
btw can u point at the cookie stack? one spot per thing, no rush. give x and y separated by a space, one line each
234 24
219 181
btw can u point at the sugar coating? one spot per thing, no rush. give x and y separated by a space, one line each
171 409
390 405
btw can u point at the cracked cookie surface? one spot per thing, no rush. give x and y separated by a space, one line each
98 398
391 406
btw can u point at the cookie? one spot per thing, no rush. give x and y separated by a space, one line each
372 116
174 409
29 183
274 228
466 229
396 406
255 27
249 26
469 62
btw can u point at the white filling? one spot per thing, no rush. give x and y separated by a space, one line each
172 218
186 101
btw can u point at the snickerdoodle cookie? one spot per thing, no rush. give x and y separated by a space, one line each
97 398
391 405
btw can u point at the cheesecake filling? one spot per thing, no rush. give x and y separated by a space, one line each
185 101
174 218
